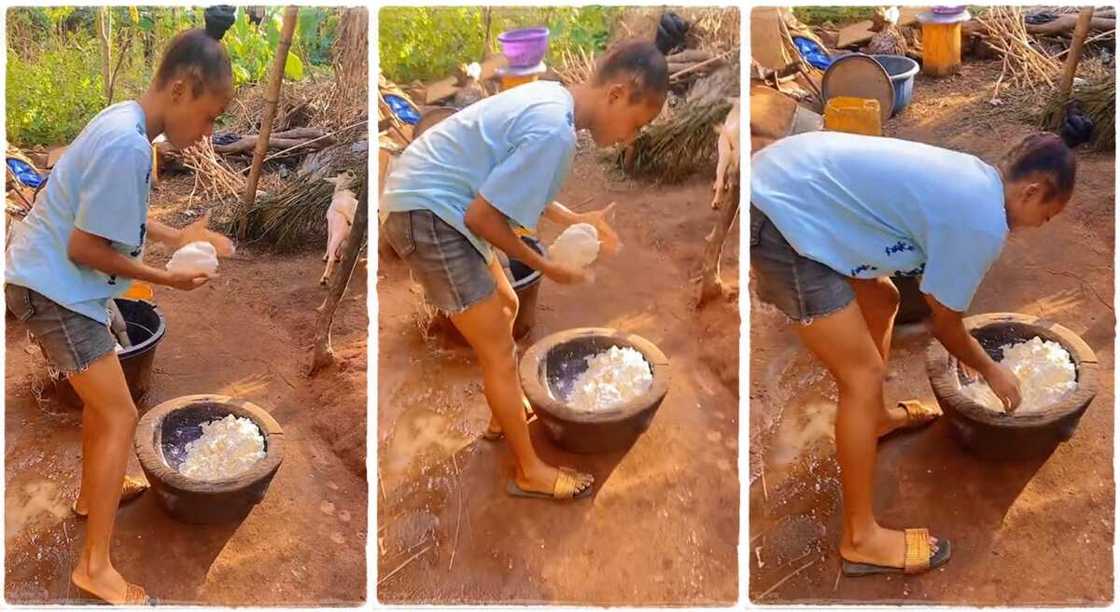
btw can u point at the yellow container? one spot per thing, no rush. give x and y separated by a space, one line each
853 115
510 81
941 48
139 291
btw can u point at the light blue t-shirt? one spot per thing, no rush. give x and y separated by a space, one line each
100 186
514 148
869 207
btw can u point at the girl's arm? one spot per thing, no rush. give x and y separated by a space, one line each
492 226
948 328
565 217
95 252
195 232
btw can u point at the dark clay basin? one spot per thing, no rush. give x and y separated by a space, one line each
161 439
551 365
997 435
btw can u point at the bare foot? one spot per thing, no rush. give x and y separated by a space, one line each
494 429
895 418
108 585
544 480
885 547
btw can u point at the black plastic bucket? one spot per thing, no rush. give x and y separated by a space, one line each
526 283
146 328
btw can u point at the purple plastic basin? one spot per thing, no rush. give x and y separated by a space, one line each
525 47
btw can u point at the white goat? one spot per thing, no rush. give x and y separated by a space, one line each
340 216
728 149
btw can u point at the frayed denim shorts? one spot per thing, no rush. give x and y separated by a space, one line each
801 288
71 342
453 273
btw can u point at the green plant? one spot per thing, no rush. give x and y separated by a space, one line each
251 49
418 43
51 99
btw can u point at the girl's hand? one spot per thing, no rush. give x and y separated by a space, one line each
1005 385
186 281
566 275
610 244
197 232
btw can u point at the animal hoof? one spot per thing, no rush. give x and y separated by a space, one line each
323 281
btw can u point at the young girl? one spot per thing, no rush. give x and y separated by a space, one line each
833 216
457 191
82 245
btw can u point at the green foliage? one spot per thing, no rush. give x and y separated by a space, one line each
50 100
54 59
838 15
428 43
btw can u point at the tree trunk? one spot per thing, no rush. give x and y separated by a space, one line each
711 287
277 78
323 355
487 19
104 36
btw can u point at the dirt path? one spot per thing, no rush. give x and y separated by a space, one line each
245 335
1025 533
663 525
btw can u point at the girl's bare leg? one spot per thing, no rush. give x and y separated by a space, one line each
844 344
878 301
487 327
109 422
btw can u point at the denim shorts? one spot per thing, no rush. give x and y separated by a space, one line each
801 288
453 273
71 342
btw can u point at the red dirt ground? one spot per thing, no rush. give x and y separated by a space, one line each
662 527
247 335
1024 533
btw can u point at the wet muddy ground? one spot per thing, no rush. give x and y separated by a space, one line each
248 335
1023 533
662 527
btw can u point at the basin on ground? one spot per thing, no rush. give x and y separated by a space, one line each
551 365
997 435
161 439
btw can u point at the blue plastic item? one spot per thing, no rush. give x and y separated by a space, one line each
812 52
901 70
24 173
402 109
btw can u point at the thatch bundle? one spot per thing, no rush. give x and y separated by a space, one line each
1095 99
293 218
670 151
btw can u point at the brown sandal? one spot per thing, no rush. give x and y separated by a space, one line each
918 414
565 487
919 557
132 488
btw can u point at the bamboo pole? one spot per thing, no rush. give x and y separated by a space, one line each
271 98
1084 19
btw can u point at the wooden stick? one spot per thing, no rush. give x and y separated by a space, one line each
305 143
459 520
783 580
288 27
403 565
839 570
1091 39
701 64
323 355
1065 85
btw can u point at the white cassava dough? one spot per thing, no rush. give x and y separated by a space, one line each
613 377
226 448
1045 372
577 246
195 258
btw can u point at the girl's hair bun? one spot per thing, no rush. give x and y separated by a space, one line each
219 19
